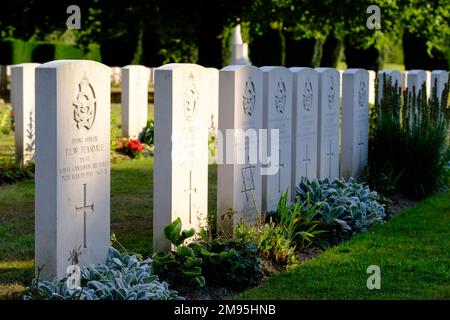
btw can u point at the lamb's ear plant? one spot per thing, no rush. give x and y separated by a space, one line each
122 277
346 205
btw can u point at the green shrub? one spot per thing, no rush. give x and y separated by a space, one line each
278 234
409 142
346 207
11 172
122 277
147 133
234 264
223 262
271 241
16 51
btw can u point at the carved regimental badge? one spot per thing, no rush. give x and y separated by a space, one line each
362 93
280 97
308 96
331 92
190 98
85 105
249 98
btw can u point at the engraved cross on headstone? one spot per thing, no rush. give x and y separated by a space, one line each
360 145
306 160
329 155
246 188
85 209
280 165
190 190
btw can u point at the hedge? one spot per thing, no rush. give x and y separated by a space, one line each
14 51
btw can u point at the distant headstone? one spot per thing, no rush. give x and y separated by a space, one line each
384 75
213 92
428 83
212 80
180 181
116 75
328 135
439 78
305 125
239 179
134 100
277 114
151 72
22 99
239 49
72 220
404 79
9 71
416 79
372 76
355 123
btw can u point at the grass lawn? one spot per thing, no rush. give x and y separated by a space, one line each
131 212
412 250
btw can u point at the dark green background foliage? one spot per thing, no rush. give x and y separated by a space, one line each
279 32
15 51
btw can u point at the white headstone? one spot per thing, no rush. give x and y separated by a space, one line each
213 92
22 99
134 100
404 79
239 49
277 114
394 76
180 182
439 78
151 73
355 123
8 71
305 125
428 83
372 76
116 75
72 223
328 135
416 79
212 79
239 179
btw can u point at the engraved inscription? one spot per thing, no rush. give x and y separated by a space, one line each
249 98
84 106
190 98
280 97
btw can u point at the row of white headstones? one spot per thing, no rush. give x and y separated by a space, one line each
317 139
